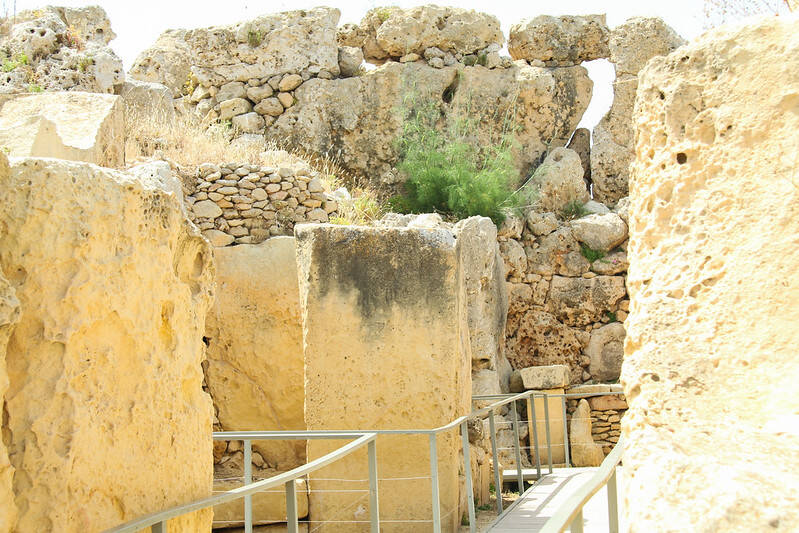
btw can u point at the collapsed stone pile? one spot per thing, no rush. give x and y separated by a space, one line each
61 49
241 203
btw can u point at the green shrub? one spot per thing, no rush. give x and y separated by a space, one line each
35 88
591 254
446 173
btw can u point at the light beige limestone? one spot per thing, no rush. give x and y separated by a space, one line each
387 347
268 507
560 41
543 377
254 369
582 448
714 295
67 125
9 315
105 416
556 439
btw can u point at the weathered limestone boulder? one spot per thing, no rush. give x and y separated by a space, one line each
393 32
359 118
600 232
268 45
67 125
583 450
384 311
557 253
711 336
144 100
581 143
350 59
60 48
560 41
113 284
606 350
9 316
540 378
559 181
541 223
536 337
254 335
514 259
581 301
486 295
632 44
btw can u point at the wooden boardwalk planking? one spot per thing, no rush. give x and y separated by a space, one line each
533 508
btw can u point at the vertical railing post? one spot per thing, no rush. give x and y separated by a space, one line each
577 524
160 527
535 438
374 509
434 483
247 481
613 504
549 439
292 525
497 474
467 463
566 453
517 451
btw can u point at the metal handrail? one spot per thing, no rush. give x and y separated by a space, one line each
158 520
570 513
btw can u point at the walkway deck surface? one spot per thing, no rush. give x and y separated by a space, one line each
533 508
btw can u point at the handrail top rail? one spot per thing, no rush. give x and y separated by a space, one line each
234 494
574 504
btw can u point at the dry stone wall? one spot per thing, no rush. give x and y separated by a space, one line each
113 284
242 203
712 332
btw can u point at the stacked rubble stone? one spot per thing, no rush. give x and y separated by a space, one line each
240 203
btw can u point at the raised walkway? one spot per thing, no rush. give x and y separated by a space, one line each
538 503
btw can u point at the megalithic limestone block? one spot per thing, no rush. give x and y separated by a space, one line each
9 316
712 335
632 44
105 417
67 125
386 347
254 331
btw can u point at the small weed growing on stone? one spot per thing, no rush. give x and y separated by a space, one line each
35 88
189 85
383 15
465 520
255 37
591 254
573 209
482 59
10 64
85 63
73 39
611 316
484 507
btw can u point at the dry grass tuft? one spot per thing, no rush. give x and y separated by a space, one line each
186 143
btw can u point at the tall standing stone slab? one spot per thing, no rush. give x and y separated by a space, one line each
105 418
386 347
712 333
254 370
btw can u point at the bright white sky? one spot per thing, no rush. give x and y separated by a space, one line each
138 23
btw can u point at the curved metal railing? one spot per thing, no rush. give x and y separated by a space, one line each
570 514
